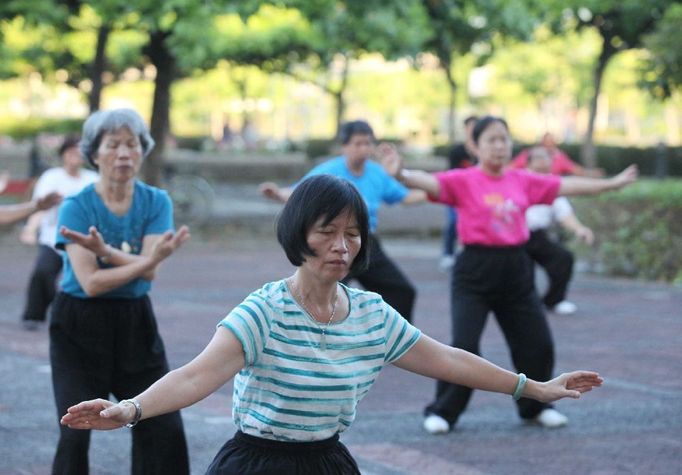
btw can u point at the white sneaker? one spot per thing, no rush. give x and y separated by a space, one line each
434 424
551 418
446 263
565 308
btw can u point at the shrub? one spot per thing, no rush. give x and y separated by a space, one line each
638 229
613 159
31 127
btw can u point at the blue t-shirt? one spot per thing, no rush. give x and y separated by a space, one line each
151 212
375 185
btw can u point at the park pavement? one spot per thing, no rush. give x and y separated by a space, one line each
631 332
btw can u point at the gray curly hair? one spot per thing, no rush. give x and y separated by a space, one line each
101 122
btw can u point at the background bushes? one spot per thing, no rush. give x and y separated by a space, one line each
638 229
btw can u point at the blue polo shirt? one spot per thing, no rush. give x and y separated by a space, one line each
375 185
151 212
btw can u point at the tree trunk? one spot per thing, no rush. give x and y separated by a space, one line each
339 95
589 156
446 63
98 67
164 61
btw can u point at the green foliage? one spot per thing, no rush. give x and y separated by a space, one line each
662 71
32 127
614 159
317 148
638 229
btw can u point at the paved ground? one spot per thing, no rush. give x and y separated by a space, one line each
630 332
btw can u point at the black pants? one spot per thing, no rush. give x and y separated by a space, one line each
501 281
557 262
385 278
42 285
100 347
249 455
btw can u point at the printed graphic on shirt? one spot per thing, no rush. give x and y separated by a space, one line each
504 213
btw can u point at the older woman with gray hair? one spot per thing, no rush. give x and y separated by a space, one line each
103 333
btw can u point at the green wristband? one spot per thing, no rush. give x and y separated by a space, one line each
520 384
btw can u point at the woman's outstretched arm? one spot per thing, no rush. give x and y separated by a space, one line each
436 360
222 358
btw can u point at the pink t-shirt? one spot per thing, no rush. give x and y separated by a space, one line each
561 164
491 210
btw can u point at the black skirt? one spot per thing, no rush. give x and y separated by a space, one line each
248 455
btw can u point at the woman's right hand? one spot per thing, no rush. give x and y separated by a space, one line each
93 241
169 243
98 414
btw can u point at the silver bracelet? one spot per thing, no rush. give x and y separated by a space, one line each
138 412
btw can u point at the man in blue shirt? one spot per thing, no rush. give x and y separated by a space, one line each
376 187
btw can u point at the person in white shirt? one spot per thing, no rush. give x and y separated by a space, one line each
67 179
550 254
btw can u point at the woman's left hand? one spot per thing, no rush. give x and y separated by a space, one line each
390 159
169 243
569 385
627 176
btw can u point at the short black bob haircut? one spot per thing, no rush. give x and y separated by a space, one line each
485 122
321 196
355 127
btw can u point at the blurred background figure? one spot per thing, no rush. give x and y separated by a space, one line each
555 258
67 179
561 162
461 156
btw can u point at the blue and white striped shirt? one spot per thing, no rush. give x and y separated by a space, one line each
292 390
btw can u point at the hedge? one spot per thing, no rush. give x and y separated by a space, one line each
613 159
31 127
638 229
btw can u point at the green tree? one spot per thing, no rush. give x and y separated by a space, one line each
458 25
621 24
172 28
344 30
662 71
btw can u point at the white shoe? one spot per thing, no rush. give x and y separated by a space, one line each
435 425
565 308
551 418
446 263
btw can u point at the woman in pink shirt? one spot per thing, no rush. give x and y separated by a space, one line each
493 272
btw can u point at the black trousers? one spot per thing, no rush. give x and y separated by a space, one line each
100 347
42 284
385 278
557 262
498 280
249 455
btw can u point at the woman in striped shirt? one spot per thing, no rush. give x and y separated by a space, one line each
304 351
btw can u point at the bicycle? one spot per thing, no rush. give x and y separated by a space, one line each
192 196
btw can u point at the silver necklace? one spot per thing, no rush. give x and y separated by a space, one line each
301 299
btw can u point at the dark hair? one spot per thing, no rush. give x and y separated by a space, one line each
485 122
321 196
355 127
101 122
471 118
69 141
